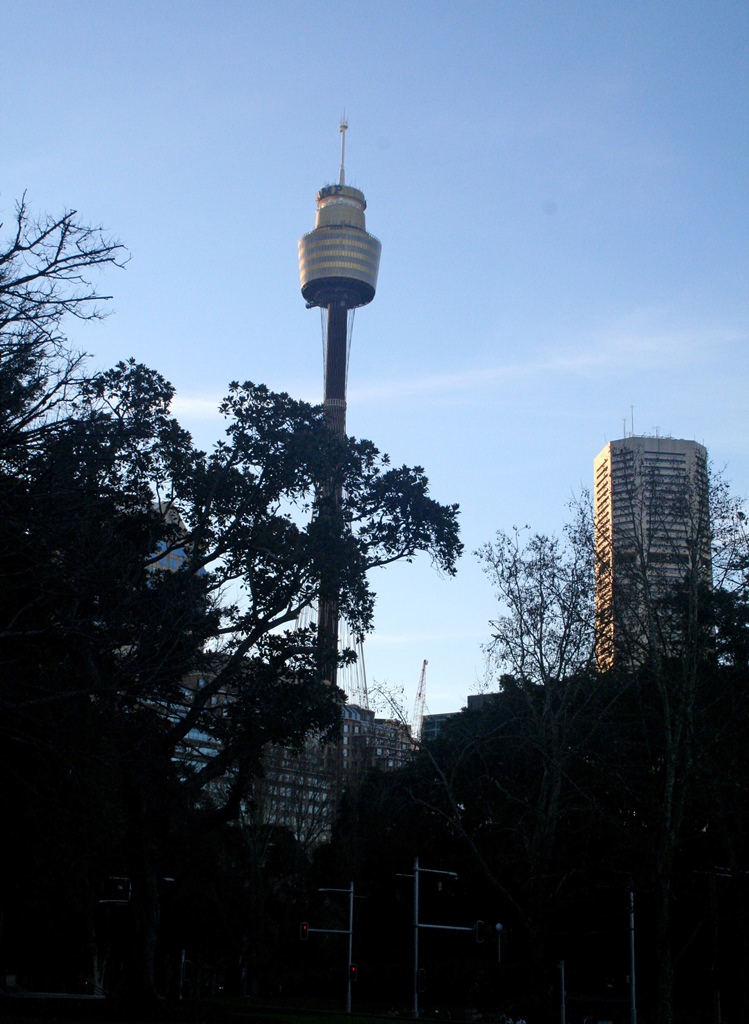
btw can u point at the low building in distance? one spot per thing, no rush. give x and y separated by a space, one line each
302 789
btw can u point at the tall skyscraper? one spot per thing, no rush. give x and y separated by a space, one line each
652 532
338 266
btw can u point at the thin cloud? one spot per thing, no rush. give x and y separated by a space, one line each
619 348
197 407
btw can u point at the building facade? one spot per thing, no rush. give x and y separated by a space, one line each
652 533
302 789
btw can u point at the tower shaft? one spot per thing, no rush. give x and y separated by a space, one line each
336 358
334 406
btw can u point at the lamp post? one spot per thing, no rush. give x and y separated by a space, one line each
349 932
632 989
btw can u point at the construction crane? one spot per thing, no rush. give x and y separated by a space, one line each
421 696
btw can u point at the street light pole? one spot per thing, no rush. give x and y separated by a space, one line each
416 939
350 944
420 924
350 933
632 989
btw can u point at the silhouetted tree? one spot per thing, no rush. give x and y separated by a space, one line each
149 591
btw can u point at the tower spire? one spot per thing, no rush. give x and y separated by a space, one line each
342 129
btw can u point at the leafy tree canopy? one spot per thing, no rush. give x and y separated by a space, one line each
149 591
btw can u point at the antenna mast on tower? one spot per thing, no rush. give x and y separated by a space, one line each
343 128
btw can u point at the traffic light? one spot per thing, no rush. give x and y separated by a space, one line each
304 931
352 972
478 930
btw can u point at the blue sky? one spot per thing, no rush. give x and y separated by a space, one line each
562 194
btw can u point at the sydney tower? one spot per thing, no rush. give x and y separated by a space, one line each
338 265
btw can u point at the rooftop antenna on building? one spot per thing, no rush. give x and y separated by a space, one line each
632 414
342 129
